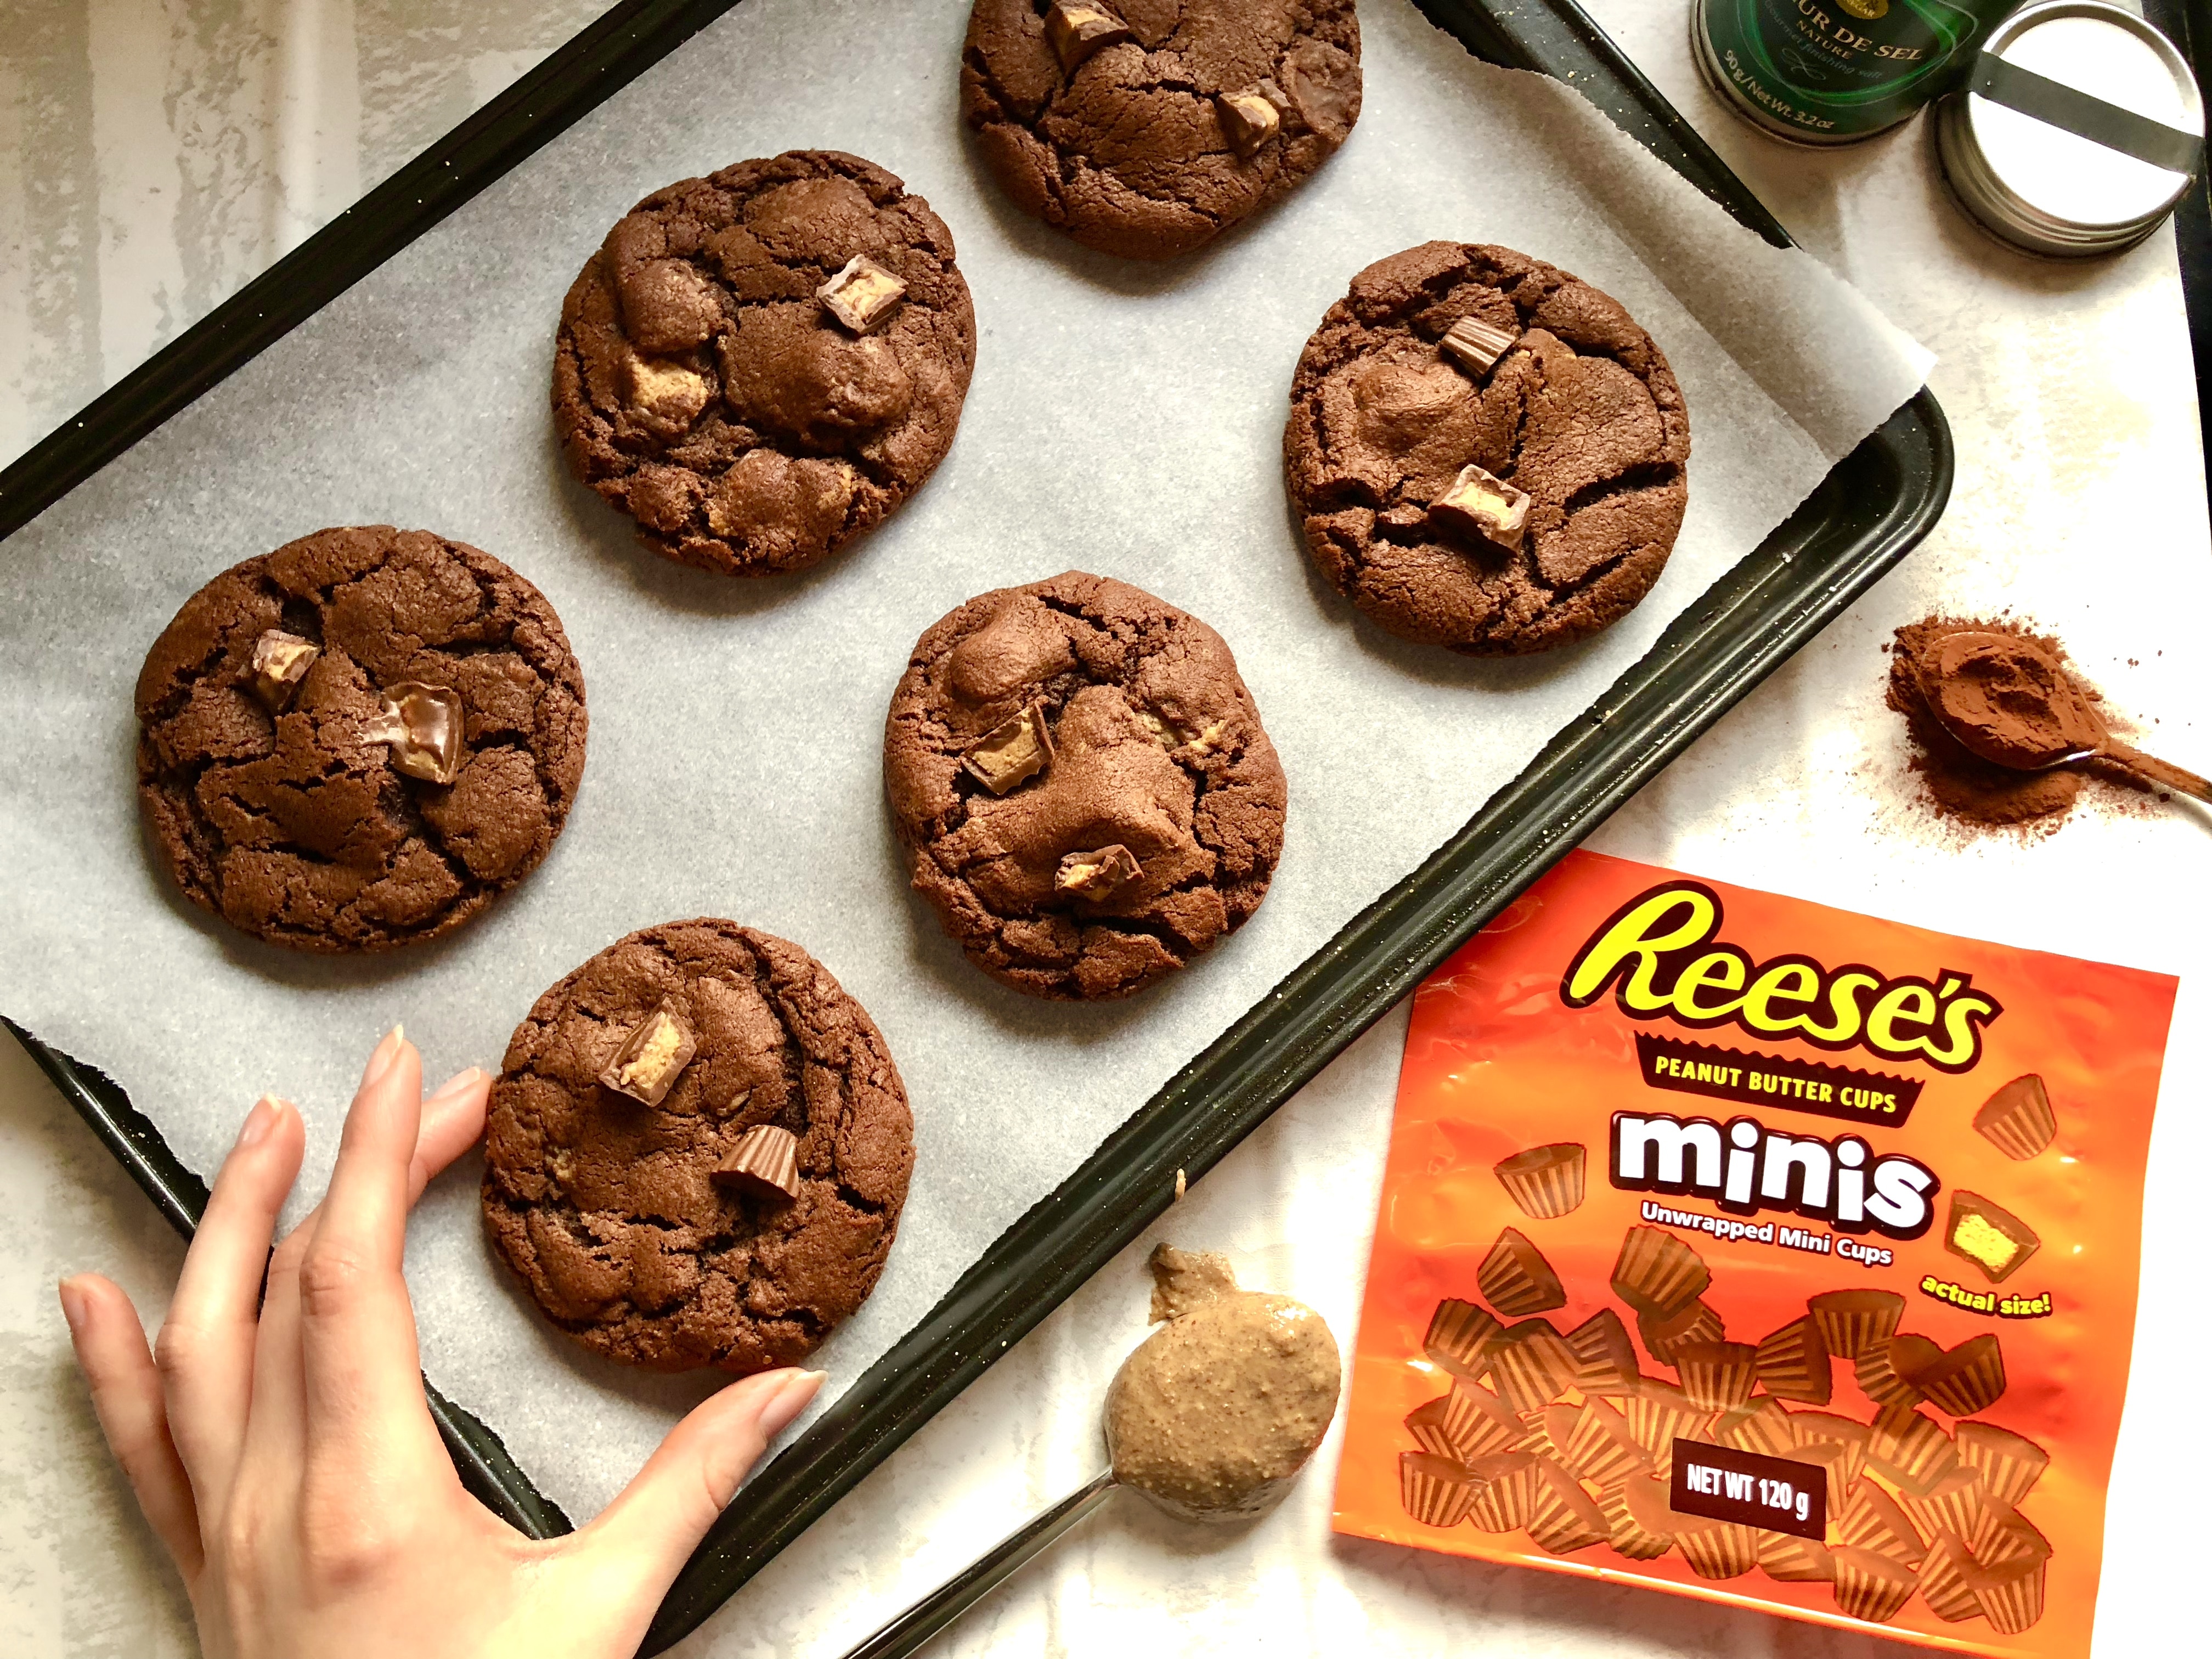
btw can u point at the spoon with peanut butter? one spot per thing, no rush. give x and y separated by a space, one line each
1210 1418
2012 703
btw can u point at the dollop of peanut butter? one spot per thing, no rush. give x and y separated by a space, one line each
1215 1413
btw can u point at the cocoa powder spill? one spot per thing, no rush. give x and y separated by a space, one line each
2007 690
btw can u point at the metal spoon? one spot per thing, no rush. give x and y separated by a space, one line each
931 1615
2073 730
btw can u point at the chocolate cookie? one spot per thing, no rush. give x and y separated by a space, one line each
1082 785
697 1150
1488 453
359 740
1146 128
759 365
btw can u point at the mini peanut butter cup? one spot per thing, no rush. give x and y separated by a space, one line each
1550 1428
2009 1464
1969 1378
1656 1273
1794 1560
1516 1280
1657 1414
1854 1323
1811 1426
1505 1486
1602 1449
1716 1376
1605 1357
1459 1338
1664 1338
2010 1594
2004 1533
1983 1231
1718 1549
1872 1520
1637 1511
1546 1181
1794 1363
1885 1371
1477 1420
1758 1425
1431 1426
1947 1582
1531 1365
1435 1491
1953 1505
1563 1517
1871 1587
1844 1460
2017 1119
1910 1449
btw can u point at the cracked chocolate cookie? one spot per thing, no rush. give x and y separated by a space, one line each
1145 128
697 1150
360 739
759 365
1488 453
1082 785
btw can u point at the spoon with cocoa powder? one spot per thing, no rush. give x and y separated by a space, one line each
2012 703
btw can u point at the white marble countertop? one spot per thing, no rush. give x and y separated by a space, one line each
153 155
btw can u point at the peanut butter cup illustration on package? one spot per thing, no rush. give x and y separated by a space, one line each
1505 1487
1793 1363
1854 1323
1563 1517
2018 1119
1605 1355
1459 1338
1546 1181
1656 1273
1435 1491
1531 1365
1515 1279
1990 1236
1778 1352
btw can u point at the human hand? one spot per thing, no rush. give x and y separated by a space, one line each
285 1457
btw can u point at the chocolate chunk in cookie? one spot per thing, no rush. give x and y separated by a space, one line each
1487 454
759 365
737 1218
1145 128
1141 824
359 740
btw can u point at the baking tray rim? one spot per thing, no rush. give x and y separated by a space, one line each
1804 573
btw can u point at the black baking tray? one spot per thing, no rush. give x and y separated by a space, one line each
1871 510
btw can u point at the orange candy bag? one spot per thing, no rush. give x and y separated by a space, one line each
1745 1249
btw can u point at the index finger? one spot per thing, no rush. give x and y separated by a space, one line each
360 1367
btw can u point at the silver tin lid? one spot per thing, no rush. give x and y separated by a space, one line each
2036 179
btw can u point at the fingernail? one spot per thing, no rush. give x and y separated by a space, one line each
387 1051
459 1081
73 1305
259 1121
790 1399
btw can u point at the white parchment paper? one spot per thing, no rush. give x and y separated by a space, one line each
1124 419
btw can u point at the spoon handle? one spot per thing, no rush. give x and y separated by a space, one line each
2164 773
961 1592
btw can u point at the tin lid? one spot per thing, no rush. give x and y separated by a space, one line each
2077 131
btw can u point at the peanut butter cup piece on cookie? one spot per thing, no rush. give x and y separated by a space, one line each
1486 453
1145 128
1082 785
359 740
697 1151
759 365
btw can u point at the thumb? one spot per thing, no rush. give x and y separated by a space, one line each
660 1517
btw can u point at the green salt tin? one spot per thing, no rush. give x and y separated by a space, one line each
1836 71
